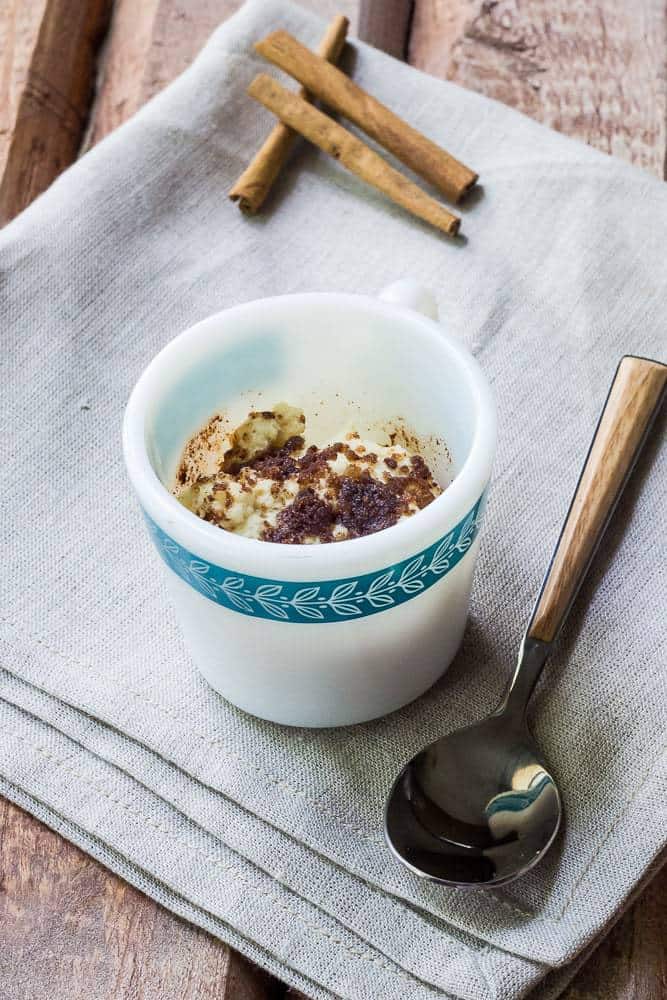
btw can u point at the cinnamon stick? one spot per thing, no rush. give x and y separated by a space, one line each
335 140
256 181
338 92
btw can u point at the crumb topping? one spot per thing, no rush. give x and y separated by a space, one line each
261 480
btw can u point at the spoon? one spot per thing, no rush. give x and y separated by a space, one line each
479 807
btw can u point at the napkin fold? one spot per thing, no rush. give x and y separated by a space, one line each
271 837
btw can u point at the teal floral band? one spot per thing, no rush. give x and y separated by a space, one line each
331 600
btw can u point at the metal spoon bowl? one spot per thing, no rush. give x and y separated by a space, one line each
479 807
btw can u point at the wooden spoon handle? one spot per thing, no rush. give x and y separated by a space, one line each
633 401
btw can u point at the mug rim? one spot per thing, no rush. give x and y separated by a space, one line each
277 560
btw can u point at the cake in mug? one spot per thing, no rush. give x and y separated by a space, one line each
262 481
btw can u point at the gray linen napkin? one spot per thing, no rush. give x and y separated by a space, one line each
270 837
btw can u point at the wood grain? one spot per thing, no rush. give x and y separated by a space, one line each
635 395
151 42
338 92
595 71
148 45
19 25
386 25
351 152
53 104
69 929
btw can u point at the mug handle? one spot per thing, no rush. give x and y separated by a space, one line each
409 294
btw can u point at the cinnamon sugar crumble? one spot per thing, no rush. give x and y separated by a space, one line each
263 481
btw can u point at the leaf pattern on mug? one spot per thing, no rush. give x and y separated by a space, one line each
328 601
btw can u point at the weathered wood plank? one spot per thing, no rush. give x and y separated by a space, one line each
19 25
54 99
386 25
68 928
594 71
148 45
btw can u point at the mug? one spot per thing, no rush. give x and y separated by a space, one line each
342 632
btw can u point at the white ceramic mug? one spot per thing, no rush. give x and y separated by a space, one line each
333 634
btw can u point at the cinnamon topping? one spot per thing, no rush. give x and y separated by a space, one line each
307 517
262 481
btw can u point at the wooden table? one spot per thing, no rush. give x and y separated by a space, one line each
72 70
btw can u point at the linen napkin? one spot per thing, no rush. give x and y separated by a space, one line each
271 837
